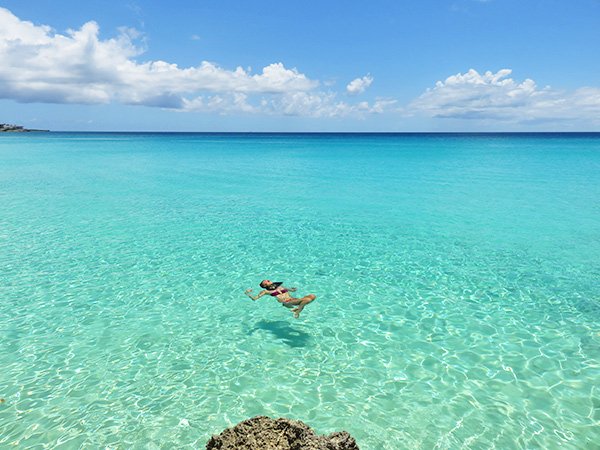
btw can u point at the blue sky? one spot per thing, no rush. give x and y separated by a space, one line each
379 65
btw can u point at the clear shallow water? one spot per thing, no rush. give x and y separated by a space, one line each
457 280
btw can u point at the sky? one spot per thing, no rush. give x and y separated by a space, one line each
277 65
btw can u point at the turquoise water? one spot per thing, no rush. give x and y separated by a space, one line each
457 279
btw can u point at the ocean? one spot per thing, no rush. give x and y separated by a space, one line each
457 280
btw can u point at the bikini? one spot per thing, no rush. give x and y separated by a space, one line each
285 302
275 293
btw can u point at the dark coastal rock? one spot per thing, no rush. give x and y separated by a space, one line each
7 127
264 433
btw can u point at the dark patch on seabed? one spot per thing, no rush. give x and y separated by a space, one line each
588 306
284 332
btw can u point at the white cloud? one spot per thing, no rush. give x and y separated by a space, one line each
382 105
495 96
39 65
219 103
359 85
322 104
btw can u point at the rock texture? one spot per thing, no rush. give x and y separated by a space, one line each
264 433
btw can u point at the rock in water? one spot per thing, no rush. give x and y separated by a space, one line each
264 433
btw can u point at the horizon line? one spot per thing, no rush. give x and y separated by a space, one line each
304 132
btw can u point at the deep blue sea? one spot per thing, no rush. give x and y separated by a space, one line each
457 276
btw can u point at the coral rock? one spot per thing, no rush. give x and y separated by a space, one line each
264 433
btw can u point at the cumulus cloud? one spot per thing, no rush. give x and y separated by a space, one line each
39 65
359 85
219 103
321 105
496 96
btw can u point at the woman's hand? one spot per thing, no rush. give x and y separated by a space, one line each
292 289
247 290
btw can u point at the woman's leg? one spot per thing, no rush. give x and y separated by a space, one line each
303 302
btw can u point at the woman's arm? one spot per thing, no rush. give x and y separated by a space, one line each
247 292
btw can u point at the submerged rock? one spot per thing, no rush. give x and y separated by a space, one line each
264 433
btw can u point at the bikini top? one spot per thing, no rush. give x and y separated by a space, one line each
277 292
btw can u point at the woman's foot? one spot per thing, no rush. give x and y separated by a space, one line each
296 312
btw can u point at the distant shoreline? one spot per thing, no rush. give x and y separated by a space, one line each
9 128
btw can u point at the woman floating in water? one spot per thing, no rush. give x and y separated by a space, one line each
282 294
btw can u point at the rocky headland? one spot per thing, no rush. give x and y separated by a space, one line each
9 128
264 433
